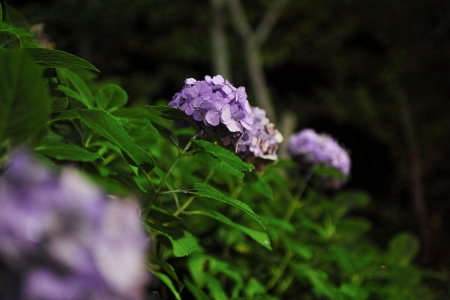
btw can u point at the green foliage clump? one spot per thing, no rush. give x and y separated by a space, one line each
218 228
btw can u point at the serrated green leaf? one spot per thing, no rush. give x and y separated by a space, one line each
69 78
168 269
224 155
183 242
111 97
204 190
58 59
107 126
63 151
163 131
197 292
24 99
164 278
9 40
259 236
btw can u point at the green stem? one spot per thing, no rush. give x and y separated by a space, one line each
279 272
163 180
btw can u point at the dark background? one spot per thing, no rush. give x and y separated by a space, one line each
373 73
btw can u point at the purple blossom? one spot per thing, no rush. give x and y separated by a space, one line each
66 239
311 148
217 106
263 138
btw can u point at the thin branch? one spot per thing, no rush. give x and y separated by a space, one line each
239 19
220 53
269 20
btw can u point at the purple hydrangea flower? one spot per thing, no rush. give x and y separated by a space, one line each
66 239
217 106
311 148
263 138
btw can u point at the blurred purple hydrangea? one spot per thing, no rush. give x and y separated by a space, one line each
311 148
65 239
263 138
217 106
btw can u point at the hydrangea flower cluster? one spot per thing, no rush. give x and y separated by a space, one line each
311 148
64 239
264 138
223 109
225 112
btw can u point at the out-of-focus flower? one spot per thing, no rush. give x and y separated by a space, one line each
311 148
263 139
65 239
217 106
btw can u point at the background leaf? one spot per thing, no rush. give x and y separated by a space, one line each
69 78
58 59
183 242
24 99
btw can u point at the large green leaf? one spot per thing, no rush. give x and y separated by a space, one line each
204 190
63 151
111 97
183 242
259 236
69 78
24 99
9 40
58 59
107 126
224 155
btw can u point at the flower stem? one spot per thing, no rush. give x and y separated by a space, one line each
163 180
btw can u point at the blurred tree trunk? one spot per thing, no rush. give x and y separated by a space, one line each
252 41
220 53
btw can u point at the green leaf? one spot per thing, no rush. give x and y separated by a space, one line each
63 151
162 215
168 269
318 279
58 59
259 236
12 16
9 40
215 288
204 190
24 99
107 126
254 287
68 78
59 104
163 131
224 155
183 242
196 292
111 97
164 278
403 248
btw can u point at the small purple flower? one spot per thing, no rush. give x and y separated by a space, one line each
217 106
263 138
311 148
66 239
